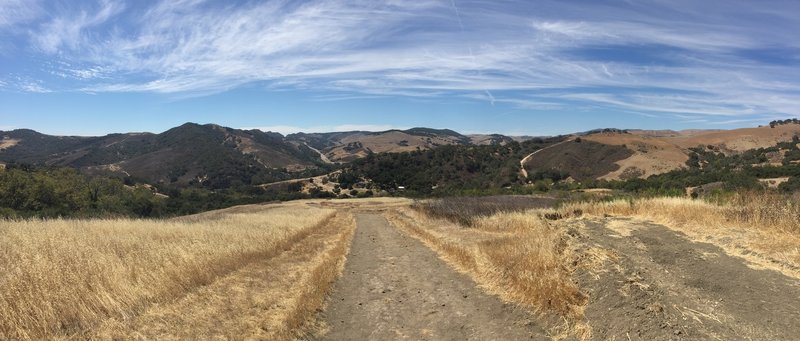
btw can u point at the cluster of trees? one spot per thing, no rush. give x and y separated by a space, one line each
708 165
711 158
34 191
607 131
240 172
775 123
53 192
448 168
676 181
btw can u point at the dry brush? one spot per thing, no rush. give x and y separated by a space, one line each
62 278
762 227
517 255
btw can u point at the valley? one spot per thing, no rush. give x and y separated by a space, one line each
608 234
325 170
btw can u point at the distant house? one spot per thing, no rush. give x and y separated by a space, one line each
401 188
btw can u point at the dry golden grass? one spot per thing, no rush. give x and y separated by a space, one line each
62 278
515 255
761 227
651 155
271 299
656 154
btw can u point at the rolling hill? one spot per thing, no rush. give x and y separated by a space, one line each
219 157
213 156
349 146
653 152
209 155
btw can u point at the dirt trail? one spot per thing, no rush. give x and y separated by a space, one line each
527 158
660 285
322 156
393 287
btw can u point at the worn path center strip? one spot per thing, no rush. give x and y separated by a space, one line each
393 287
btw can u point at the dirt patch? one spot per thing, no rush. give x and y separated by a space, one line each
774 182
6 143
660 285
394 287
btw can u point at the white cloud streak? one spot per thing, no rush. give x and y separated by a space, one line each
13 12
491 52
70 32
33 88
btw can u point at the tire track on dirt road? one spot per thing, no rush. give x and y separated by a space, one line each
394 287
661 285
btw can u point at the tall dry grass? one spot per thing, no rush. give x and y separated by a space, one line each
60 278
516 255
762 210
275 298
760 226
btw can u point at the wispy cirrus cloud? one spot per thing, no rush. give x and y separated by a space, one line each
680 57
13 12
73 30
33 87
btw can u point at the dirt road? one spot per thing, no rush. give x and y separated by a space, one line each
393 287
660 285
525 160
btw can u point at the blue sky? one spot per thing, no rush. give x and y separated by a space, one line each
516 67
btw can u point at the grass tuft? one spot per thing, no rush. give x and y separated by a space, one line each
518 256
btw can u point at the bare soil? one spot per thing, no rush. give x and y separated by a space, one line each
393 287
657 284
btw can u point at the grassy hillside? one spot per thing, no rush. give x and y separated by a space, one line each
710 170
207 156
580 159
657 152
350 146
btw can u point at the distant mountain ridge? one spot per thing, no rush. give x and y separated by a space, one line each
353 145
213 156
652 152
190 153
216 156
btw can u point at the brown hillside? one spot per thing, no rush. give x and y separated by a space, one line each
650 155
490 139
659 151
739 140
583 160
359 145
